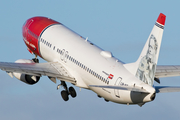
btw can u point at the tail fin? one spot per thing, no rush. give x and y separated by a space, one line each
144 68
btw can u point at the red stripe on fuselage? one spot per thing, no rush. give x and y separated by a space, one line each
32 29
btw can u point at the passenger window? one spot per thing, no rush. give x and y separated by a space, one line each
98 76
93 73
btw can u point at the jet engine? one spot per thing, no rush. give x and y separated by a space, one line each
29 79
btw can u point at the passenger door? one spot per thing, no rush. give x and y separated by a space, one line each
117 83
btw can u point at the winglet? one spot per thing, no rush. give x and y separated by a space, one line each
161 19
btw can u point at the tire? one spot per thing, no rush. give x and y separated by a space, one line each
64 95
72 92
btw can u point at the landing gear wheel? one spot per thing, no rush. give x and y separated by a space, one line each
64 95
72 92
35 60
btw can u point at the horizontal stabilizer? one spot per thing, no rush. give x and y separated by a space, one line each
166 89
167 71
134 88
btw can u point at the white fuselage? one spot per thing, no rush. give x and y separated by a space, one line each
90 65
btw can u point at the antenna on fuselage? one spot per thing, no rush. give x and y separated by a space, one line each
86 39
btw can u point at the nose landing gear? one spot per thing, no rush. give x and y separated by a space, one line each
65 93
36 60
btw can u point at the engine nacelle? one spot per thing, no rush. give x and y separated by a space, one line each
29 79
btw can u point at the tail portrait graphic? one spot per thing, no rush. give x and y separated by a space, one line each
147 65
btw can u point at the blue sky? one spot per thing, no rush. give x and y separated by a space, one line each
121 27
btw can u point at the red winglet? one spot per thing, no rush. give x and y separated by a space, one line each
161 19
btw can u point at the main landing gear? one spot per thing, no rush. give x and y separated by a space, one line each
65 93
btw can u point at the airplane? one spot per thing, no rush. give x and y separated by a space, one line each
74 59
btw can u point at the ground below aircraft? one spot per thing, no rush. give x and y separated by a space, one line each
73 58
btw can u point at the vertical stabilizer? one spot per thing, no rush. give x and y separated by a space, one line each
145 67
147 61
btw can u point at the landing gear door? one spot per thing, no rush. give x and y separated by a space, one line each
117 83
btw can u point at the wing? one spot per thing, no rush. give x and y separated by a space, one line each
135 89
165 89
50 69
167 71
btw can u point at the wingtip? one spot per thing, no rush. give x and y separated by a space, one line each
161 19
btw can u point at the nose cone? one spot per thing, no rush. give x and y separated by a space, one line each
32 30
38 24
